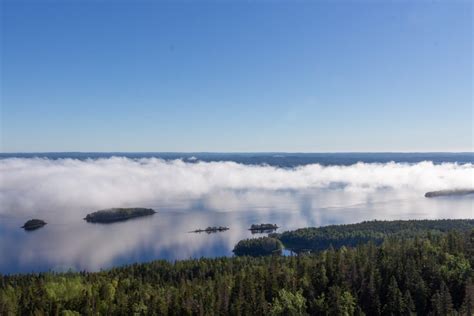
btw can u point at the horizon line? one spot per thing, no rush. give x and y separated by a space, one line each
237 152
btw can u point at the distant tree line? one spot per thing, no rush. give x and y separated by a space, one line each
351 235
427 274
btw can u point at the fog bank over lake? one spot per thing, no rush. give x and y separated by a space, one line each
191 194
29 185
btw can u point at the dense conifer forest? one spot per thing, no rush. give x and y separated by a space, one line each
419 268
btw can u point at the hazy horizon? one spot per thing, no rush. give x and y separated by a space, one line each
237 152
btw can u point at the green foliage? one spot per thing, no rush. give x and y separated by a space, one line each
258 247
340 302
288 304
67 312
442 301
64 288
9 300
394 300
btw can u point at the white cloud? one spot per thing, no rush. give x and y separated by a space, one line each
28 184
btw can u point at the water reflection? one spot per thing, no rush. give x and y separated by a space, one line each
68 242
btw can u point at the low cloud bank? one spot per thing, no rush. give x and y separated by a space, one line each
27 184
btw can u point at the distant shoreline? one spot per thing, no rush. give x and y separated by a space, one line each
280 159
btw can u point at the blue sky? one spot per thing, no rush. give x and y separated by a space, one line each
236 76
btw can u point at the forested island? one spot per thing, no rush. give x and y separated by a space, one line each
33 224
258 247
213 229
395 268
263 227
117 214
449 193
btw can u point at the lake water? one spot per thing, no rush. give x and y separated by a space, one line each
191 191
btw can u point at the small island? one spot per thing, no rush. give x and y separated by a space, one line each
117 214
210 230
258 247
449 193
263 228
33 224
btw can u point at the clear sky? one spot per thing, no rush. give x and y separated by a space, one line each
236 76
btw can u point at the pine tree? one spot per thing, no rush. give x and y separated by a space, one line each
394 299
370 299
468 304
288 304
409 305
441 301
340 302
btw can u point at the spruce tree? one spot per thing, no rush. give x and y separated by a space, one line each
394 299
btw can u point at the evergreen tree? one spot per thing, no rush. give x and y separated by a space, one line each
394 299
288 304
441 301
409 305
340 302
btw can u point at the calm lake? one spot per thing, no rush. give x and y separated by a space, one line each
191 191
